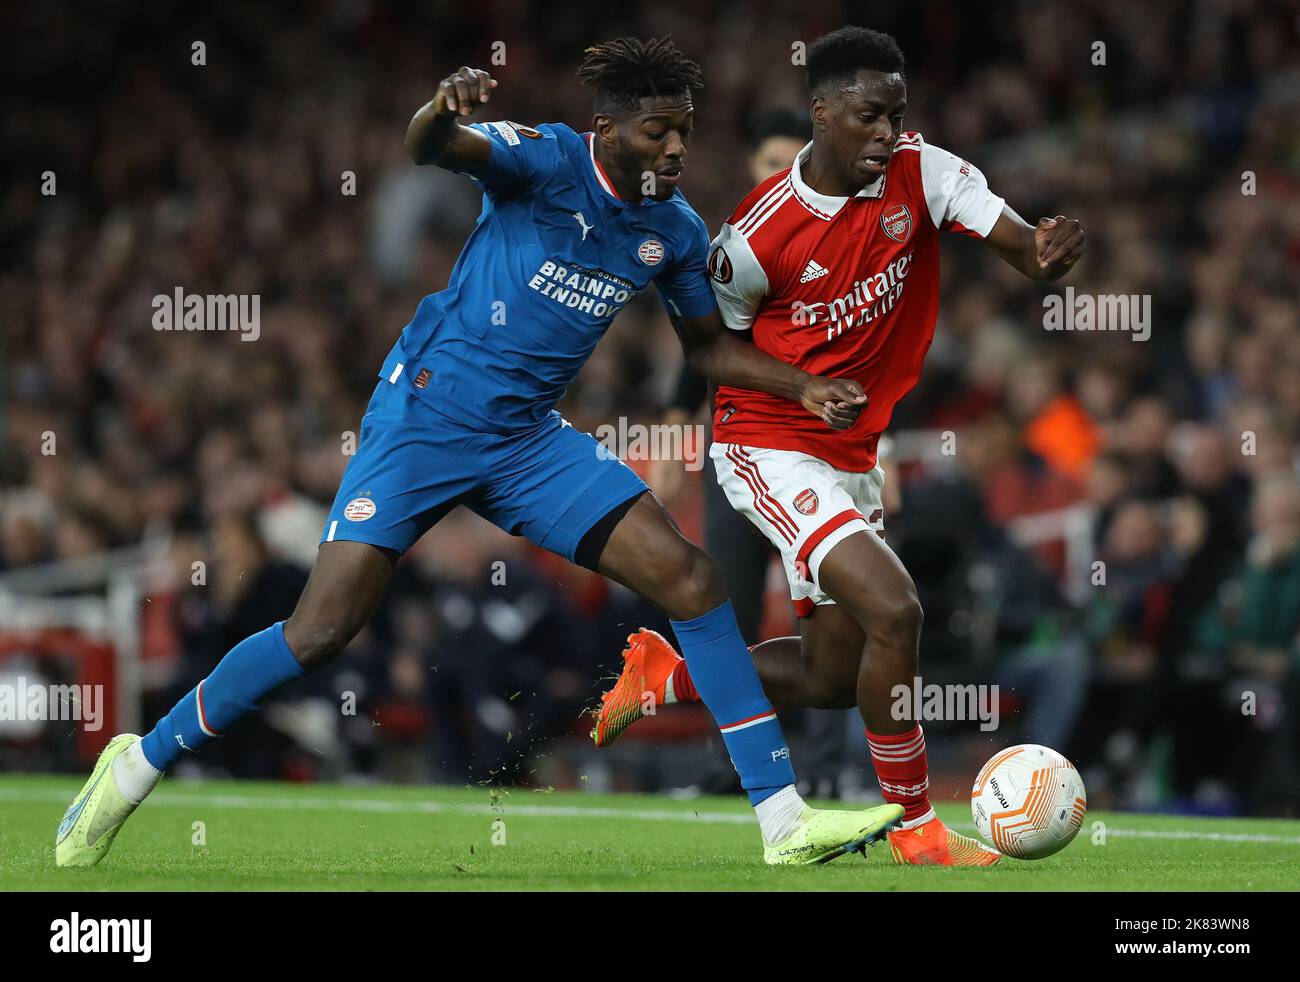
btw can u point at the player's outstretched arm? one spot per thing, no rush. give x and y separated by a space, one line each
1042 252
435 135
725 359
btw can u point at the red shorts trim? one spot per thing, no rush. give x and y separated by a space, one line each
814 540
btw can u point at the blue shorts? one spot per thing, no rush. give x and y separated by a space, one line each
550 483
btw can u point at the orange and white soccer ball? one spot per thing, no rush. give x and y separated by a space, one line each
1028 801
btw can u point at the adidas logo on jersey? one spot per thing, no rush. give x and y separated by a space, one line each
814 270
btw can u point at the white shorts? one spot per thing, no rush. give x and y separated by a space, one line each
802 504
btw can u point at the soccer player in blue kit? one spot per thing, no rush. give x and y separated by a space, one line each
573 227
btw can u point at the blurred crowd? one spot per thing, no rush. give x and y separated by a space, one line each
257 149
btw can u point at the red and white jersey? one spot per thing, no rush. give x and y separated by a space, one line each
841 287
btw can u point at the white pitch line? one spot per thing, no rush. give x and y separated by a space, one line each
401 807
378 805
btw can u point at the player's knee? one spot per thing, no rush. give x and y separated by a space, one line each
695 587
895 620
318 639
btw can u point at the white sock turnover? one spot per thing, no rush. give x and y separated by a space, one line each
779 814
134 775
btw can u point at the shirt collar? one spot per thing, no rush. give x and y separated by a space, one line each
601 177
824 205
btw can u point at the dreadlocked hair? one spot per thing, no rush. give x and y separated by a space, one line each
626 70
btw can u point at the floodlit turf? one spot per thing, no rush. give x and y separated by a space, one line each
329 837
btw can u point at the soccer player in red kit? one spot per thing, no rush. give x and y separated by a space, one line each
833 267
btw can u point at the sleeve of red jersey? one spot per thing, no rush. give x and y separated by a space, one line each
956 192
738 280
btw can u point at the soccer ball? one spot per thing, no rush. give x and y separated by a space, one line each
1028 801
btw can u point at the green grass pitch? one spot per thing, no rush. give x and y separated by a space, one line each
327 837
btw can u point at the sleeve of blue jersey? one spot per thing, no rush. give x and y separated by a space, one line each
684 286
522 158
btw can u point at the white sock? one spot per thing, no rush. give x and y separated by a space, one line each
134 775
670 696
912 823
779 814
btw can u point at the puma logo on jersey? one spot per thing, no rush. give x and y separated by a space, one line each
582 220
814 270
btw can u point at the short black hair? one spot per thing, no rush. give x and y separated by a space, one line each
779 122
838 56
626 70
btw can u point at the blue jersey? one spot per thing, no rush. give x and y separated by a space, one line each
555 255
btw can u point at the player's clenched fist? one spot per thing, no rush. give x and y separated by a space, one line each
1058 240
463 91
836 400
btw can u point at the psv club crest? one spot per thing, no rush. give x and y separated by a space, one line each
359 509
896 221
651 252
806 501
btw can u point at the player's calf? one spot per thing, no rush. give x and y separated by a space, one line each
891 656
818 670
864 577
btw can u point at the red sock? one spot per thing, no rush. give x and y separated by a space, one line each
902 771
682 687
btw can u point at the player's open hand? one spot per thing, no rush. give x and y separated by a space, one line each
1058 241
463 91
838 401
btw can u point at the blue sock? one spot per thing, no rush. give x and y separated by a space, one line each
724 675
257 665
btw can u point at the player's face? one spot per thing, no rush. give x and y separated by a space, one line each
651 144
860 123
776 153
